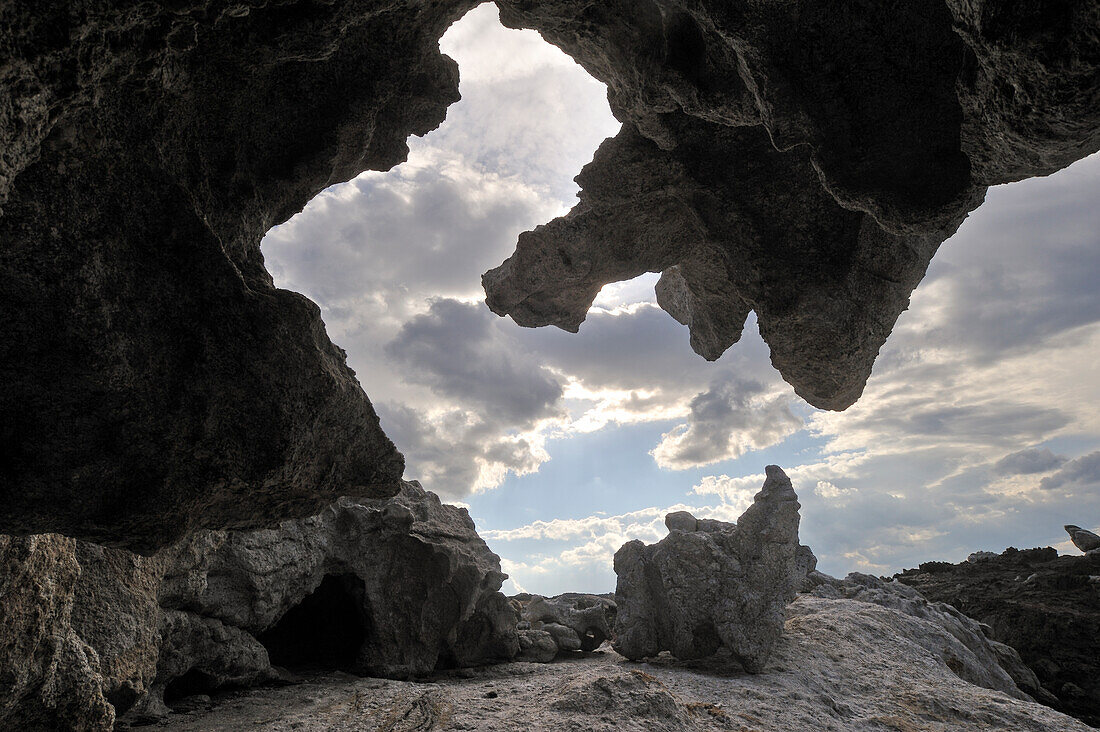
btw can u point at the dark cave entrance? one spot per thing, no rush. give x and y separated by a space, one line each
323 632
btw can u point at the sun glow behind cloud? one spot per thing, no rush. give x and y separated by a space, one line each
976 430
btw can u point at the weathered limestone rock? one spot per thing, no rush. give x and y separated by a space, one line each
88 633
717 585
1083 539
963 646
1044 606
576 621
801 161
49 677
537 645
417 587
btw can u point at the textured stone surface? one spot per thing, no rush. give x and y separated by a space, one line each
155 380
1045 606
88 633
964 647
716 585
842 664
49 677
424 585
575 621
798 160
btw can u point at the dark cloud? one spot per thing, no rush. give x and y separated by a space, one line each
730 418
1028 462
1084 472
462 352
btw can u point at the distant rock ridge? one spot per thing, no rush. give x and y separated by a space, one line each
1045 606
712 584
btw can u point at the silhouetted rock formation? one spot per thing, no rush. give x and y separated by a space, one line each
155 381
396 587
801 160
1045 606
711 584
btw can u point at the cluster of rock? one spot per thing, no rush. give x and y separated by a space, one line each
1045 606
551 626
396 587
712 584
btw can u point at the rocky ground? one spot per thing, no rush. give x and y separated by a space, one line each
1045 606
841 665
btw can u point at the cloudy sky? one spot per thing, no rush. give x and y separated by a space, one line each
979 428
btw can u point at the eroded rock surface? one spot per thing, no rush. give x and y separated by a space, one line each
800 161
49 677
1045 606
841 664
383 587
711 584
416 586
574 621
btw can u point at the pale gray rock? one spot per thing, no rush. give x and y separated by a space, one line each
588 619
976 557
963 645
1083 539
719 585
49 677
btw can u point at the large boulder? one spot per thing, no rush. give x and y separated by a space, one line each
712 584
406 584
1044 606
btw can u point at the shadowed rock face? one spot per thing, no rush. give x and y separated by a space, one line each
1045 606
154 379
801 160
392 587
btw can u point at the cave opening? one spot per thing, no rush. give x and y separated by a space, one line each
325 631
191 683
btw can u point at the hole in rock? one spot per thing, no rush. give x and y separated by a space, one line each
323 632
191 683
592 639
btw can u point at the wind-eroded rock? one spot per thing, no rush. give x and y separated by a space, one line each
406 584
800 160
574 621
710 584
155 381
389 587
